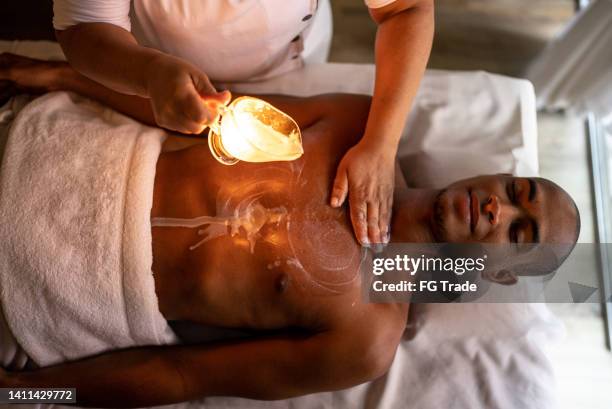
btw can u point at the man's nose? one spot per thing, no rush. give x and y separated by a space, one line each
492 209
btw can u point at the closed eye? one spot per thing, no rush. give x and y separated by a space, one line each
532 189
511 190
513 232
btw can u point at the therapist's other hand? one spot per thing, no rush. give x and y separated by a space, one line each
182 97
366 174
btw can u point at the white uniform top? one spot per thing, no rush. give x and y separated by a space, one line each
229 40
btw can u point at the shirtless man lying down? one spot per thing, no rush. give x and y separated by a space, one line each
285 264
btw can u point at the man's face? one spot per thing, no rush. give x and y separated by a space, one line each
504 209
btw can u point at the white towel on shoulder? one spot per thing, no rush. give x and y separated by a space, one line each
76 190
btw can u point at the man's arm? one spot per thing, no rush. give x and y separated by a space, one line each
275 368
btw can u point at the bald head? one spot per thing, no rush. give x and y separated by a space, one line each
534 214
504 209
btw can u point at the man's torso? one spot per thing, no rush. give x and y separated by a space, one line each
268 252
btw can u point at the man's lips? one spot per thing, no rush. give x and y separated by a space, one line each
474 211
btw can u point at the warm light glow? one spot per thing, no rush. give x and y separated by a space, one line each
252 130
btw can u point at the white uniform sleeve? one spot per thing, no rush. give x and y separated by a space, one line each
68 13
376 4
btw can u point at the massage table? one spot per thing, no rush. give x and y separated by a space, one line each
453 356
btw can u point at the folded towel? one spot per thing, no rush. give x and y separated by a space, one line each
76 190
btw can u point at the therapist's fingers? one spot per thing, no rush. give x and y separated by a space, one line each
340 187
209 94
384 219
196 112
359 215
373 228
188 115
201 112
202 84
218 98
210 99
215 102
183 112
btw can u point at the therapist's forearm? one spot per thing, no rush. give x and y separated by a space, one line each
403 45
109 55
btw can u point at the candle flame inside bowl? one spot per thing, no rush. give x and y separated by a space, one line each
252 130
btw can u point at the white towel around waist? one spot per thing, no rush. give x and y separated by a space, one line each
76 190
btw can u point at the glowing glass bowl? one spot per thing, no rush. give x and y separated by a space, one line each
252 130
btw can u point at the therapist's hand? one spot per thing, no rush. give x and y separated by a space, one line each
182 97
366 176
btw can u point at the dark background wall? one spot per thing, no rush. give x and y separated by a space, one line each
26 20
501 36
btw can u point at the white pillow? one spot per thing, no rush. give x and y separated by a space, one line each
469 123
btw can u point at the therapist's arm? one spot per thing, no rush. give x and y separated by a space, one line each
28 75
403 43
109 55
181 96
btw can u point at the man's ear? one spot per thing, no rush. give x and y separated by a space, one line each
504 277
